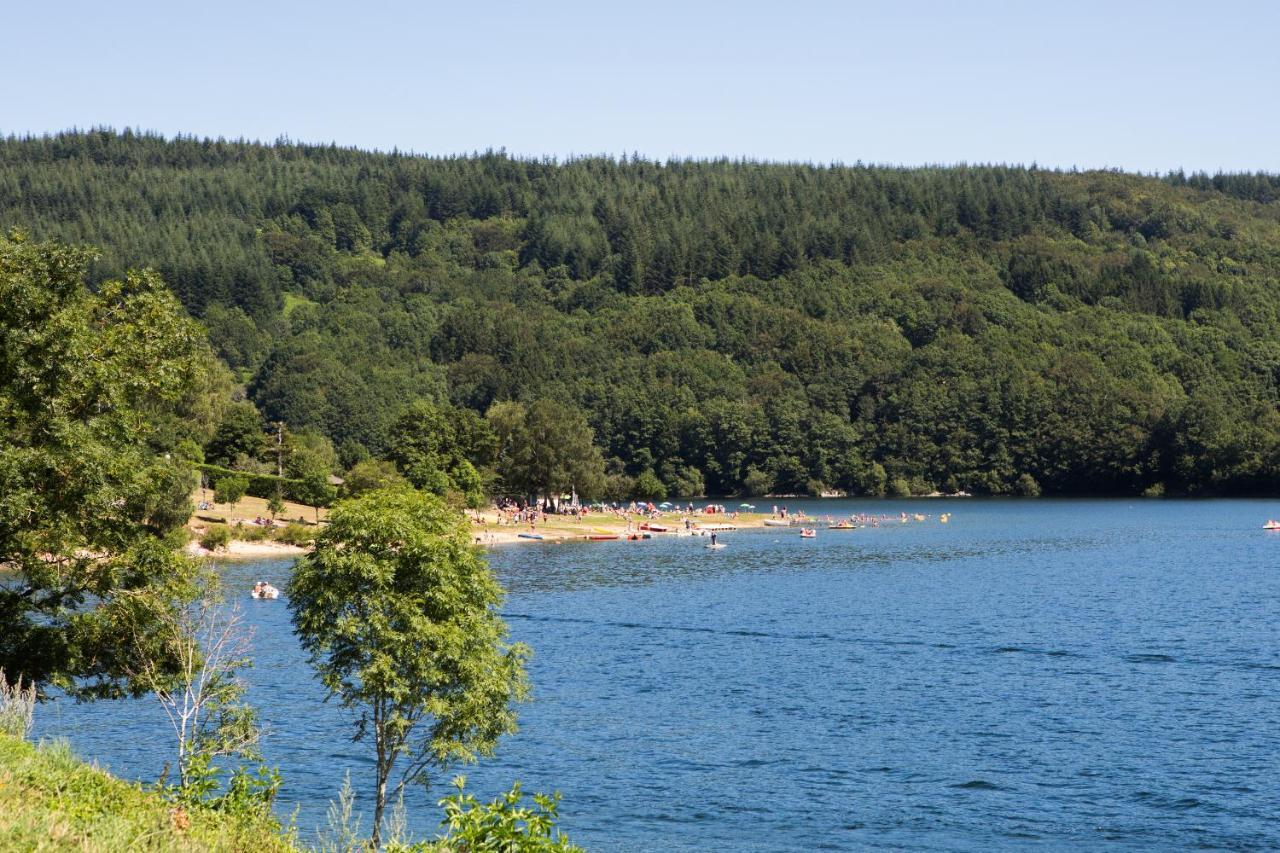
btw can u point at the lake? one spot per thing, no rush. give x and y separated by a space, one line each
1041 673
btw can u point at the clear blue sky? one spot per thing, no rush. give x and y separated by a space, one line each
1137 85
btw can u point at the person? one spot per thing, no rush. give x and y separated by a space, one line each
713 540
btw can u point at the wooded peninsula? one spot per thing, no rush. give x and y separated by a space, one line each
711 327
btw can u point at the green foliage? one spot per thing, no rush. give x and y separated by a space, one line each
506 823
757 482
230 488
216 537
851 326
250 532
98 389
239 434
246 792
50 800
647 486
438 450
296 534
398 614
899 488
369 475
546 449
260 485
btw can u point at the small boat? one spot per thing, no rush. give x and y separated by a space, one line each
715 546
842 525
777 522
602 537
808 533
529 536
655 528
262 589
1271 524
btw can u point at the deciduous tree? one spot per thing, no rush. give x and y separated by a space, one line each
398 614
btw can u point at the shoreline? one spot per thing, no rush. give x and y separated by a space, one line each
556 529
487 531
238 549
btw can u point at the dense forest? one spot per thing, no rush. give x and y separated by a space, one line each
724 326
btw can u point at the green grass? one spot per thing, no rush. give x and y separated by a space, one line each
51 800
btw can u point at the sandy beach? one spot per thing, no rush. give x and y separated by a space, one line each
489 528
238 549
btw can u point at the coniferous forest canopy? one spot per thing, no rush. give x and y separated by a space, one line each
725 326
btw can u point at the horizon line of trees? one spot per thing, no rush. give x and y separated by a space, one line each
723 326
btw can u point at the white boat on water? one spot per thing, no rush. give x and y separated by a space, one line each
1271 524
262 589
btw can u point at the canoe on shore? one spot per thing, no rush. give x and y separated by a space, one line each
777 522
603 537
529 536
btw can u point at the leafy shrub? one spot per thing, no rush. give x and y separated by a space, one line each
506 823
250 532
899 488
1027 486
247 792
230 488
218 536
296 534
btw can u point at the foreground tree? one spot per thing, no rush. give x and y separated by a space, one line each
97 391
398 612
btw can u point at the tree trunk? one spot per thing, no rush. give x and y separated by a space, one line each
383 771
379 806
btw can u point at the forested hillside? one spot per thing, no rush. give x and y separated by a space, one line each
726 326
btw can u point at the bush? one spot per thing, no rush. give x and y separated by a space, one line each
296 534
230 489
217 537
647 486
1027 486
260 485
250 532
757 482
899 488
507 822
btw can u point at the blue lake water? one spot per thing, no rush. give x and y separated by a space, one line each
1047 674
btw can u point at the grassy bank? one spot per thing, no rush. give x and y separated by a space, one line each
51 800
